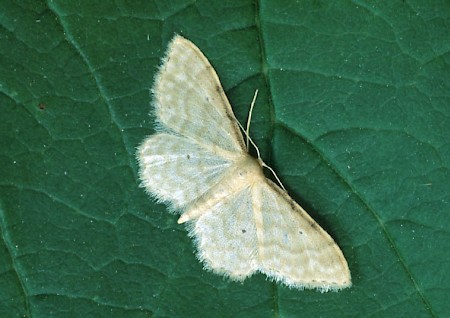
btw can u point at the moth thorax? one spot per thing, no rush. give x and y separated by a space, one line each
248 168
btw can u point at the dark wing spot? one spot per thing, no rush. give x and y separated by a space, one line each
188 156
292 205
300 232
230 117
243 231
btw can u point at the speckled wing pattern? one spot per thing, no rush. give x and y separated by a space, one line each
198 164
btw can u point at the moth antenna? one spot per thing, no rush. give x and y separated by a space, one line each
249 139
250 118
275 175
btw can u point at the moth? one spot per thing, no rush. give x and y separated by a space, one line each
198 163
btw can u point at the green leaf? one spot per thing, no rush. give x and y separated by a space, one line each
353 114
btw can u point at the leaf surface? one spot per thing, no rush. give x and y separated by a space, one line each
353 114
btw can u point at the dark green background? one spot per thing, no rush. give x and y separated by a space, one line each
353 114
